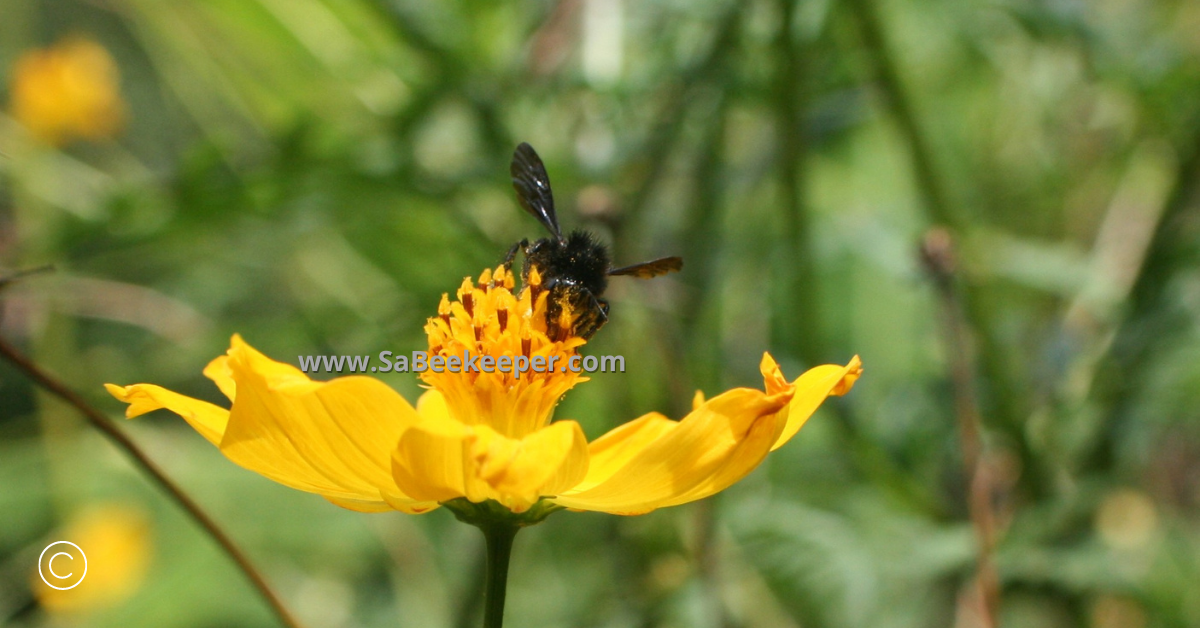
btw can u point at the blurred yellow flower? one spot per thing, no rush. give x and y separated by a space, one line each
485 435
117 543
70 90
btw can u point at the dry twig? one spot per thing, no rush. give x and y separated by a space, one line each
143 462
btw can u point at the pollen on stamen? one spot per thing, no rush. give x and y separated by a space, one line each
444 309
499 320
534 283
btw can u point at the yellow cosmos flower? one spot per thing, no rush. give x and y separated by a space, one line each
70 90
485 437
116 540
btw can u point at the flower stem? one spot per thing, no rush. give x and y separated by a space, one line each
499 526
499 537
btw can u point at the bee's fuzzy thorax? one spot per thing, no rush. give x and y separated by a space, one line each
586 260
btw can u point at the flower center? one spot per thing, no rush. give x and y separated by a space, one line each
501 367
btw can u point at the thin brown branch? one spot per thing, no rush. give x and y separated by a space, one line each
937 254
22 274
98 420
1003 392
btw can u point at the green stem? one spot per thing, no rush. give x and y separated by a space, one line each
499 537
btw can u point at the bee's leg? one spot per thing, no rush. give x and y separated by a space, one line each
553 312
512 253
595 319
602 306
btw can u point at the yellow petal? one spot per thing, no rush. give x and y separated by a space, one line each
333 438
440 461
655 464
395 503
569 446
275 373
811 389
219 372
545 462
431 406
745 457
615 449
429 463
209 420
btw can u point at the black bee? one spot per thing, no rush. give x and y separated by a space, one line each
575 268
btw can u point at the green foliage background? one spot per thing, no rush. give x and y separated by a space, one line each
313 174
